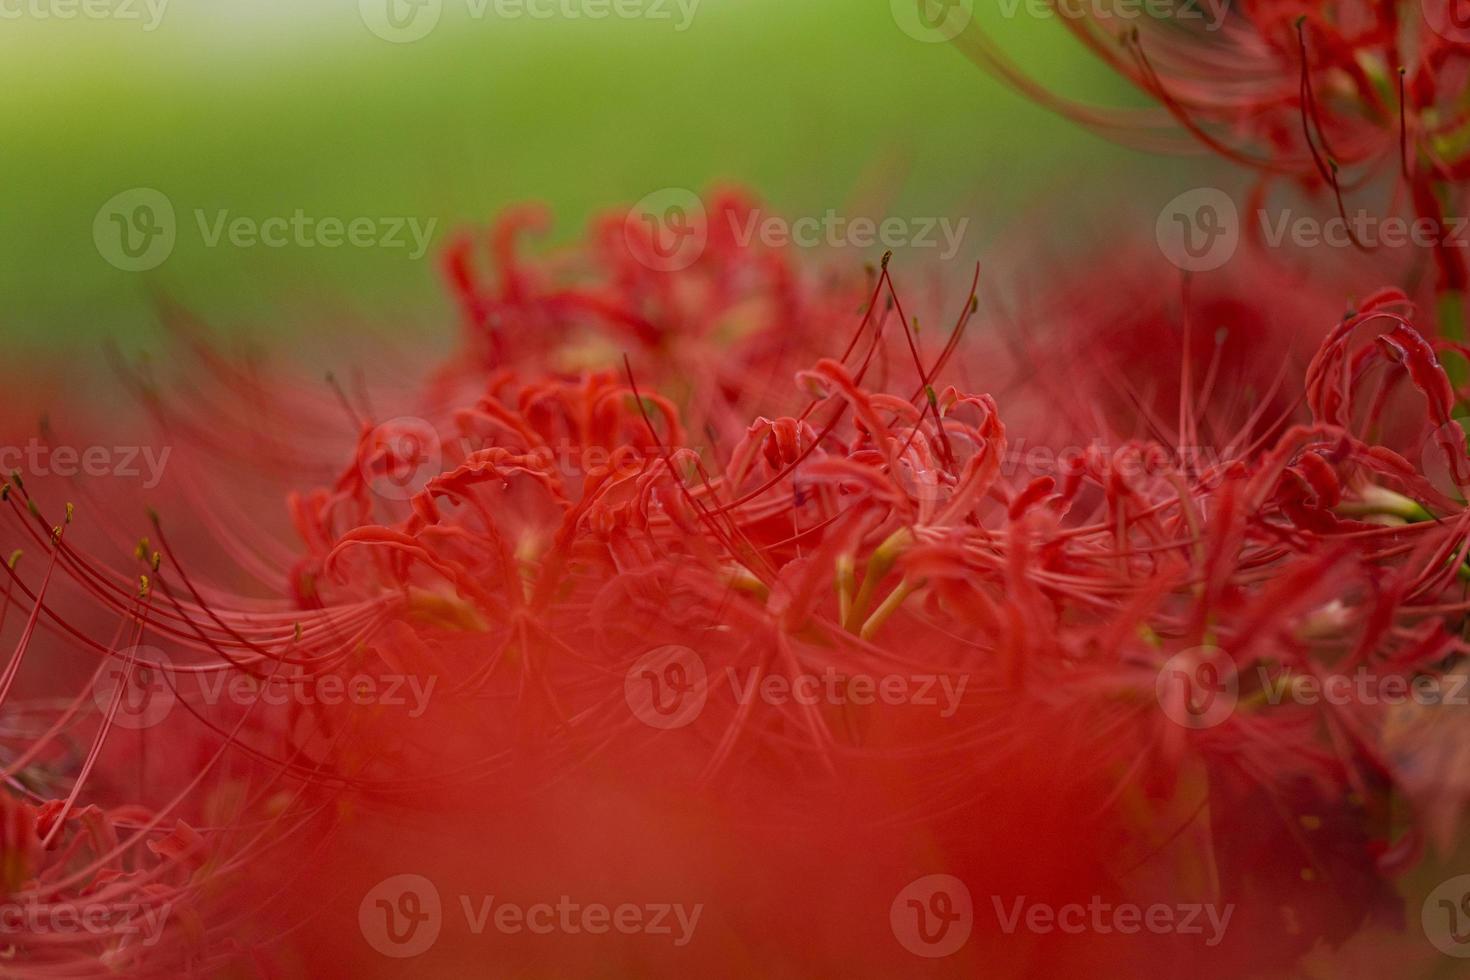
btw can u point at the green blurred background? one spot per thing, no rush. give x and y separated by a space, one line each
263 107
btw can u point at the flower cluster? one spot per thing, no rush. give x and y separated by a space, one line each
736 558
865 530
1338 96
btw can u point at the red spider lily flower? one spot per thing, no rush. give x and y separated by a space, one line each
1354 97
825 648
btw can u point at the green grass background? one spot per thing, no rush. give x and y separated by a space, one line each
265 106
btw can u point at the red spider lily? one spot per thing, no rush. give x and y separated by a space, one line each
569 551
1334 94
